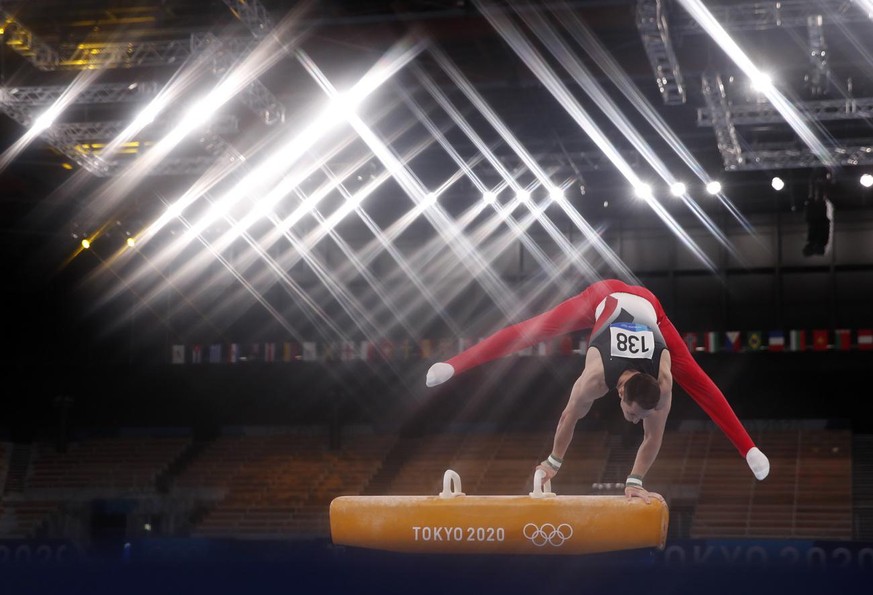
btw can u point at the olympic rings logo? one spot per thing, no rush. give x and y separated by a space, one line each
548 534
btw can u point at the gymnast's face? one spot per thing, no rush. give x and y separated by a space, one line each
633 412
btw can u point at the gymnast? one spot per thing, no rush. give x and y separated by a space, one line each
633 348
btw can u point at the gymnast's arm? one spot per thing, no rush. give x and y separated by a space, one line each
589 387
653 430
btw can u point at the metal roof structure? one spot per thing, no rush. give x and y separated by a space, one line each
123 118
544 76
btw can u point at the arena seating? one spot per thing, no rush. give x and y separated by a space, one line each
102 467
85 470
808 493
279 482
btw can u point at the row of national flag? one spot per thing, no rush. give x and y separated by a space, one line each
778 340
340 351
408 350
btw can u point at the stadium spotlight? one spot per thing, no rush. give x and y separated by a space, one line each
643 191
713 187
866 180
677 188
777 183
761 83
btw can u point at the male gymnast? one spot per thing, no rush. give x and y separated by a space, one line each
633 348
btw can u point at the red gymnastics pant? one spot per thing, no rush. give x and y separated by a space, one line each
577 313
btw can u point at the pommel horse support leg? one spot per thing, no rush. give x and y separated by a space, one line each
540 523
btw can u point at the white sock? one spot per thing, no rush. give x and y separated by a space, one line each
439 373
758 462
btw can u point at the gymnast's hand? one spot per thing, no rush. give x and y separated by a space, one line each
548 471
640 492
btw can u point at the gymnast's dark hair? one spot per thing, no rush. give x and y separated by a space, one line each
642 389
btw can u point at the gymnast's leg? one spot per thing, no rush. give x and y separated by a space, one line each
570 315
691 377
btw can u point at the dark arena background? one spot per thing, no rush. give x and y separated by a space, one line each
237 233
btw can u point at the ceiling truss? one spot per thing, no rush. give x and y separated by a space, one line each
23 104
724 116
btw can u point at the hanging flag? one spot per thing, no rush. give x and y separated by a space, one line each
215 353
690 341
368 351
386 349
349 351
797 340
233 355
464 343
565 346
546 348
330 352
776 341
444 349
865 339
583 345
710 342
269 352
407 350
526 352
254 353
310 351
178 354
290 351
426 348
819 339
732 341
197 354
843 339
754 340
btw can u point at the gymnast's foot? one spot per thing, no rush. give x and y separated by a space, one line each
439 373
757 460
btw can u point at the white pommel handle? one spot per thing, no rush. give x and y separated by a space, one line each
451 485
538 486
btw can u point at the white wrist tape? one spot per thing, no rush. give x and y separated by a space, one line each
554 462
633 481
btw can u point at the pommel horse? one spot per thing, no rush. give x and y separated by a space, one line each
539 523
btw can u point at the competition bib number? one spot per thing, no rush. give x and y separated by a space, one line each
634 341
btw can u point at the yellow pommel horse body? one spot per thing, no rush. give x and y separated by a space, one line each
540 523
